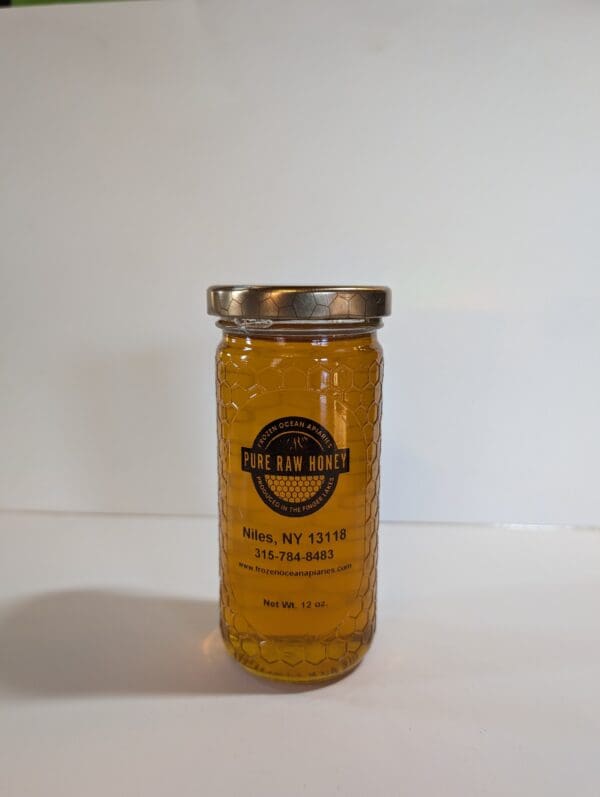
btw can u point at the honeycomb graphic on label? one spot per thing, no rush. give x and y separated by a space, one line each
295 489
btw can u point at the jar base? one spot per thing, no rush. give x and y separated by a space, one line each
302 671
320 680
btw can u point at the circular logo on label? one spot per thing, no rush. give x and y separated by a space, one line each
295 465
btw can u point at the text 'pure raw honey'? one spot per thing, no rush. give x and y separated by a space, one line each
299 374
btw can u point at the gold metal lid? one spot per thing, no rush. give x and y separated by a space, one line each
299 302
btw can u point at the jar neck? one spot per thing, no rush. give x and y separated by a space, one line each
299 329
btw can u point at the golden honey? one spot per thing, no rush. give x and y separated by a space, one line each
299 419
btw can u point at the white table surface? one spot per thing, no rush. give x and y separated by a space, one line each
483 680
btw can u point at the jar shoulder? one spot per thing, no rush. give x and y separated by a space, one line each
247 351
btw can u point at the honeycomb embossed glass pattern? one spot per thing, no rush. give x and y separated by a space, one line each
299 415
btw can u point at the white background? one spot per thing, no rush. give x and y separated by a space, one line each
450 150
482 680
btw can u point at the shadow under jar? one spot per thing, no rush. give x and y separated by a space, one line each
299 374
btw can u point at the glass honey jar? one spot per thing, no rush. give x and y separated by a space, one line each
299 373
